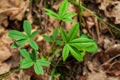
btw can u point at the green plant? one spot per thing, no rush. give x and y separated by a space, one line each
62 13
71 43
22 38
29 59
77 46
54 74
53 37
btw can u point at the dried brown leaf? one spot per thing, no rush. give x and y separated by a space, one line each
111 9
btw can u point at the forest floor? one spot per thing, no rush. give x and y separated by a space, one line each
100 19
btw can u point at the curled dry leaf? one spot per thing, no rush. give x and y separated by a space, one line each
114 69
5 41
93 75
113 50
15 9
109 53
97 76
4 68
90 22
108 42
5 52
111 9
113 78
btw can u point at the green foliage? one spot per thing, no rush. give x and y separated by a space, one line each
54 74
53 37
17 35
72 44
27 27
30 60
62 13
21 38
77 46
65 52
52 13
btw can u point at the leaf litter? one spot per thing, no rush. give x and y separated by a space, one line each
104 65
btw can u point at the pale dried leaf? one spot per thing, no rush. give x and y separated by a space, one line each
113 11
15 9
5 52
4 68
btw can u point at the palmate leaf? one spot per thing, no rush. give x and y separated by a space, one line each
24 53
47 38
73 32
80 46
33 44
33 55
63 9
38 68
58 42
27 27
14 34
21 42
69 15
81 40
93 48
63 34
75 53
51 13
26 63
84 43
38 65
55 34
43 62
68 19
34 33
65 52
14 45
82 52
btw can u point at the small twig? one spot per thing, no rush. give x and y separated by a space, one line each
114 63
5 10
108 61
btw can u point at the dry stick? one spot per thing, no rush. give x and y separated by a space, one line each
10 9
80 13
114 63
97 29
109 60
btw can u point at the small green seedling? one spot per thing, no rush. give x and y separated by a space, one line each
62 13
29 59
22 38
53 38
77 46
54 74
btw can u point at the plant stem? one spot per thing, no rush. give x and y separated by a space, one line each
53 70
80 14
